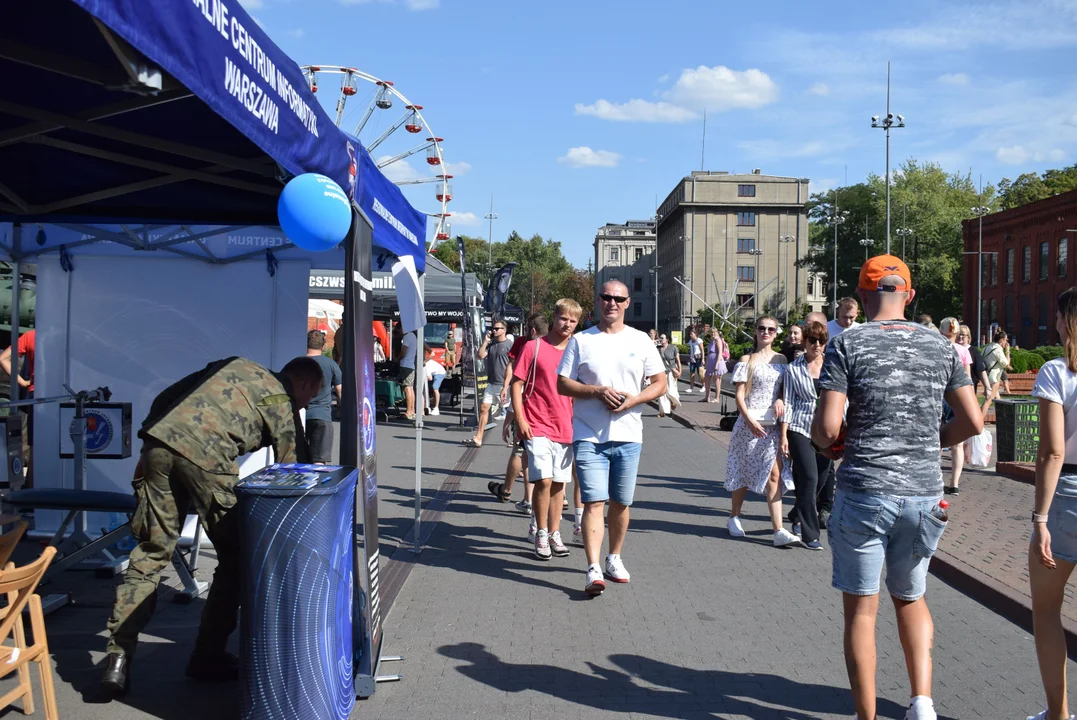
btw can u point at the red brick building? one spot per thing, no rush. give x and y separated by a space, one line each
1032 266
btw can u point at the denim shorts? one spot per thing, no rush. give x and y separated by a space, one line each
436 380
1062 522
867 530
607 471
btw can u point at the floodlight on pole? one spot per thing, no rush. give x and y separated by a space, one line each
885 123
866 243
903 233
979 211
782 288
836 219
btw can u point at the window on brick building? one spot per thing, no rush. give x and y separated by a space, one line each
1011 318
746 218
1063 256
992 277
1009 266
745 273
1026 264
745 245
1045 258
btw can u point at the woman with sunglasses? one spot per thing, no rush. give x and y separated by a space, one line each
754 463
717 354
800 393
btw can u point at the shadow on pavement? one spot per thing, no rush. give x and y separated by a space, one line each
634 683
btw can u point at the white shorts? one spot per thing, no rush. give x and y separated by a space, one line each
491 397
548 460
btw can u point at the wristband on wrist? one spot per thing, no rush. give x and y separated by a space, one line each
1038 519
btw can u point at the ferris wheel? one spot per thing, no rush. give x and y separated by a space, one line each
361 105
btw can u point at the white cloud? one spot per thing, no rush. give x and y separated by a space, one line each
636 111
1014 155
822 185
400 171
457 169
821 89
715 89
718 89
954 79
584 156
464 219
1056 155
664 78
251 4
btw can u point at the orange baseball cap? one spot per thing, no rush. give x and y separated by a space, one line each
882 266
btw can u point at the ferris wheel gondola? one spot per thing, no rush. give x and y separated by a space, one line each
379 96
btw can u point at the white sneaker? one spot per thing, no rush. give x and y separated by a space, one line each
734 527
532 532
921 708
542 546
688 391
1043 716
557 547
783 537
595 584
615 569
435 411
577 535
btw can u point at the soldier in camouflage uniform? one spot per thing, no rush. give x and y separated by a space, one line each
195 431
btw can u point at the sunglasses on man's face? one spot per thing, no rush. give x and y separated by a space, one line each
766 329
613 298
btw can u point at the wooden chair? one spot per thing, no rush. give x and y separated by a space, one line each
9 540
19 583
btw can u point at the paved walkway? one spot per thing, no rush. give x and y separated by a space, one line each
709 627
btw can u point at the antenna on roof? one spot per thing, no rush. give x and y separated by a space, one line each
703 152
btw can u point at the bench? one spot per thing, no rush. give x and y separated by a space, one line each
74 551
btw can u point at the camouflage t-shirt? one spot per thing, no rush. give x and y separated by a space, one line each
894 374
230 408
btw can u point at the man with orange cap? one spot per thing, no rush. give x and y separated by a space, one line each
894 374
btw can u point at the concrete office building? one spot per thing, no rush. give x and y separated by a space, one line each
626 252
734 241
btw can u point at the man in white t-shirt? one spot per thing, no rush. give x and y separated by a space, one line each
603 369
844 318
407 371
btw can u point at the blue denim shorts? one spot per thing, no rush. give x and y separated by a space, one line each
607 471
1062 524
867 531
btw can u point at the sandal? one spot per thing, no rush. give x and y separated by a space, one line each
471 442
498 491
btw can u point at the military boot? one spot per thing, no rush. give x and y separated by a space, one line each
116 680
213 667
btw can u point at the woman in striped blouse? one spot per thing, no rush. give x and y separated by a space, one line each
801 392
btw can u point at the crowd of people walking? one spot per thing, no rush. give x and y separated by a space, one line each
850 416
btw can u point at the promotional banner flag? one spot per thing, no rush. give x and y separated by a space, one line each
497 293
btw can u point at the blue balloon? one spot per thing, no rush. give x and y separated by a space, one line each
314 212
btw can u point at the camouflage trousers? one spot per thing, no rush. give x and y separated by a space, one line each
169 485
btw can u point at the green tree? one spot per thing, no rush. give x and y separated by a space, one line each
924 198
1030 187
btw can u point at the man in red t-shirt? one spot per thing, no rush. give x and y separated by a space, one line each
544 421
27 348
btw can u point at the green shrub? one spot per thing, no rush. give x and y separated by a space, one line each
1049 352
682 348
1025 360
738 350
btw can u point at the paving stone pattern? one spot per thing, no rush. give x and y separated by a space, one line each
709 627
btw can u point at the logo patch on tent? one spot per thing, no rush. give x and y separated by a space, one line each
98 431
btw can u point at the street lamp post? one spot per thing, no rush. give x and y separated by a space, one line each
979 211
683 239
885 124
903 233
757 252
657 218
654 271
491 216
784 239
836 219
866 243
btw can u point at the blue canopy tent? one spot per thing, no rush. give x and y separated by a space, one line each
134 131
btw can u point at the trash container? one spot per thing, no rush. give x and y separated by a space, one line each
1017 423
297 542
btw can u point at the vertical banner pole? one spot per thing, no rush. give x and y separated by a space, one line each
420 409
358 448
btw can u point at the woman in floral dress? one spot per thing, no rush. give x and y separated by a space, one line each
717 354
754 462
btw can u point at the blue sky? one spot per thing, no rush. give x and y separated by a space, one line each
577 114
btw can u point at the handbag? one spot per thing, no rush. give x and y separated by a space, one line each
763 416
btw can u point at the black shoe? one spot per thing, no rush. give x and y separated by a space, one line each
824 515
218 667
117 678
